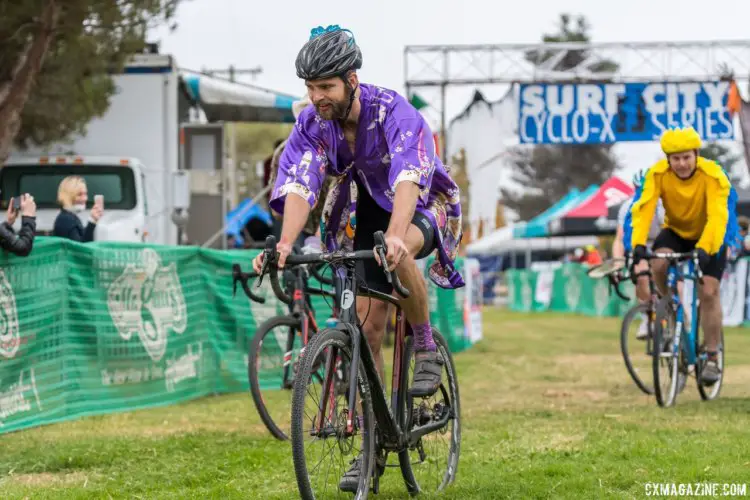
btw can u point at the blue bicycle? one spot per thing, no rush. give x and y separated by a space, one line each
678 349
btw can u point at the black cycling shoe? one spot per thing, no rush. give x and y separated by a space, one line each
350 480
428 370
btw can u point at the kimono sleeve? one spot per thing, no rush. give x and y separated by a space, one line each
302 166
410 144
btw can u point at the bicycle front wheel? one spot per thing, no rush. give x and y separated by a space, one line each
323 447
666 357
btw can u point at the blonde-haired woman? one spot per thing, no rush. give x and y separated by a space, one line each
72 195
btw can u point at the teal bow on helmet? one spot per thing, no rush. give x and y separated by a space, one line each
320 30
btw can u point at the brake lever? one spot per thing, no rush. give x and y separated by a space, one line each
269 252
263 268
384 263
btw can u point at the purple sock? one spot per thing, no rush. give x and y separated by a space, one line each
423 338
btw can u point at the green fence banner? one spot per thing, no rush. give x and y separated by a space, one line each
102 327
449 310
567 288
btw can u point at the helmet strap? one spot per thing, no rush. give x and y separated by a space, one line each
351 95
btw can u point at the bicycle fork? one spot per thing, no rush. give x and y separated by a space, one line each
679 316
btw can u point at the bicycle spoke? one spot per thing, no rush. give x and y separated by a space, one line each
325 443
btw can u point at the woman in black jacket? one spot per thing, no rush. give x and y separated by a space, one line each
72 195
21 243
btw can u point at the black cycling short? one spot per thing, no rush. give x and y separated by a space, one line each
671 240
370 219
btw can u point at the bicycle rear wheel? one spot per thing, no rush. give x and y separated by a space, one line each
430 465
320 418
666 358
637 353
276 345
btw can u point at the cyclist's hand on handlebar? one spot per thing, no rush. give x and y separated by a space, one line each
283 249
396 251
639 253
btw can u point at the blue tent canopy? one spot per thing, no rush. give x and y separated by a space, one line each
238 218
538 226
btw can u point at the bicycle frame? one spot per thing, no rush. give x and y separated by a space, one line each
299 307
674 275
393 434
345 282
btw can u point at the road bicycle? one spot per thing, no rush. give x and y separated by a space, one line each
278 343
365 423
679 350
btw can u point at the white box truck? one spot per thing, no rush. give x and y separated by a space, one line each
130 155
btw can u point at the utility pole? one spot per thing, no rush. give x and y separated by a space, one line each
232 72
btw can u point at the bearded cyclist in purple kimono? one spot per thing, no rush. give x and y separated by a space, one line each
387 178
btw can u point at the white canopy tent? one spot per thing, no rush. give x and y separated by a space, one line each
222 100
502 242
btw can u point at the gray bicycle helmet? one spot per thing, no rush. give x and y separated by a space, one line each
329 52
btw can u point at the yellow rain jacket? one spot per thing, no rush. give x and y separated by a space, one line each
697 208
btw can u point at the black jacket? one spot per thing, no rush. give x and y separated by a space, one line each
21 243
68 225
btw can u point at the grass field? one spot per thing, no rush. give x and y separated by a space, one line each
548 412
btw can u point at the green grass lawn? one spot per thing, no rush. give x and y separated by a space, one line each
548 412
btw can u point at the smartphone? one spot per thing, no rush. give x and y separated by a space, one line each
17 203
99 200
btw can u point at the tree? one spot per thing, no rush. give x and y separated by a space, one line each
572 58
547 173
724 157
56 58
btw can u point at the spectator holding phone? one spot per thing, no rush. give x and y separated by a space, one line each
21 243
72 195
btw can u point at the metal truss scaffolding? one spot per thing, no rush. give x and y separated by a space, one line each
440 66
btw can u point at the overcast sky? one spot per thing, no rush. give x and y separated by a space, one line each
217 33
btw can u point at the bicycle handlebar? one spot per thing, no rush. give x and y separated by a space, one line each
615 283
392 277
678 257
238 275
270 267
672 255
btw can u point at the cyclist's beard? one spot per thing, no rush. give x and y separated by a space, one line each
333 110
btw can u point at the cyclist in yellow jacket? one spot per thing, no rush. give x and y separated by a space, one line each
699 206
